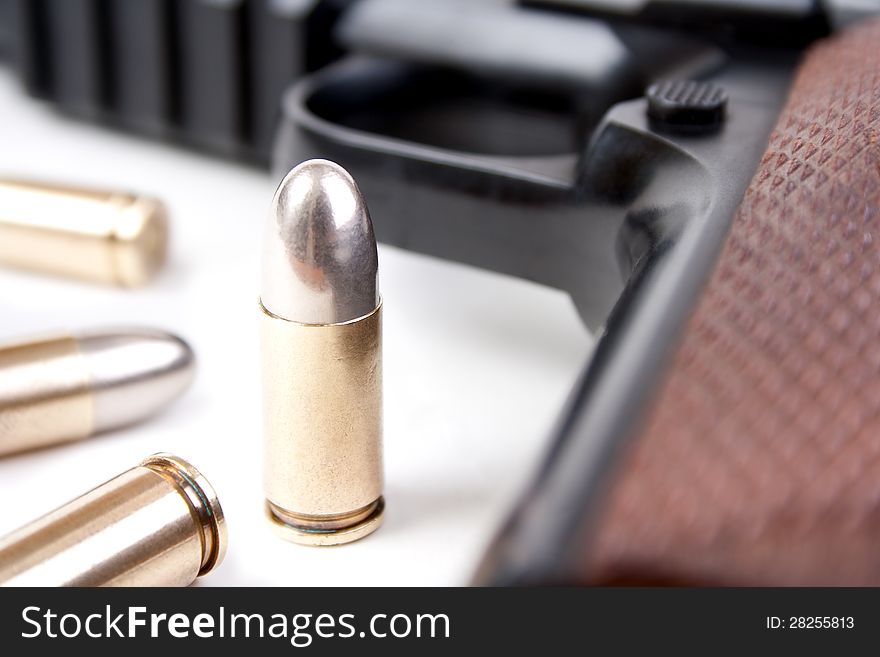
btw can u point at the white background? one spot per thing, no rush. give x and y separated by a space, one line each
476 365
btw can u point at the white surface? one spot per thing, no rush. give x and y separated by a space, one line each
476 368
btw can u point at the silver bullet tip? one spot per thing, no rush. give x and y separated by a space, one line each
320 263
134 373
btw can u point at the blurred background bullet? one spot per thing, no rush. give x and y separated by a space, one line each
109 237
61 388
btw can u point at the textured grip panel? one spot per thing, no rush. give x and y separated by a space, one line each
760 461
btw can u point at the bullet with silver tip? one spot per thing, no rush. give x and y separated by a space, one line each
322 365
66 387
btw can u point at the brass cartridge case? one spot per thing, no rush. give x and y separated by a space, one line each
158 524
322 395
45 397
102 236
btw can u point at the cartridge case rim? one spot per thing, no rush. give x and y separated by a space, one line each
324 523
304 535
203 501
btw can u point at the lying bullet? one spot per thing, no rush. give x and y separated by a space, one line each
103 236
66 387
158 524
322 360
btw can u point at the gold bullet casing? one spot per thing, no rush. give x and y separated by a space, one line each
158 524
103 236
44 394
322 392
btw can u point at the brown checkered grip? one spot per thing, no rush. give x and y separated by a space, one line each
759 462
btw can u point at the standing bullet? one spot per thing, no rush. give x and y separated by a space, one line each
158 524
322 360
61 388
102 236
